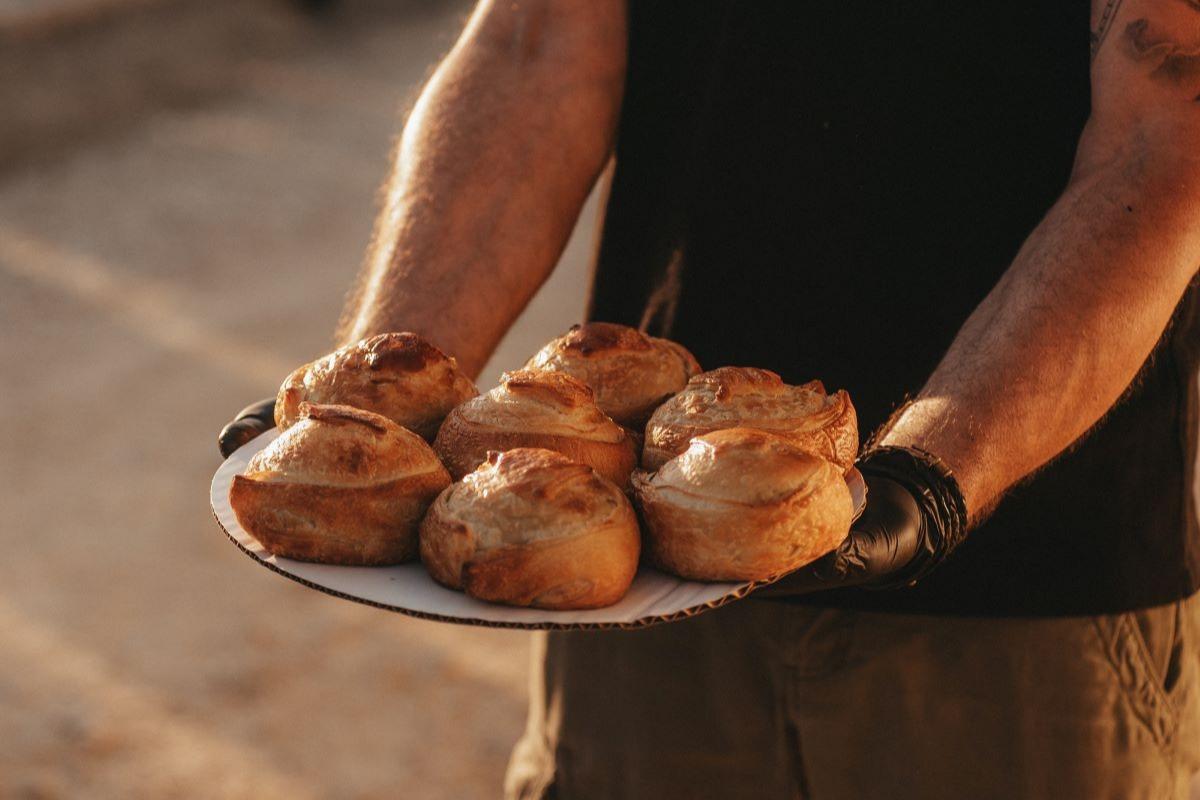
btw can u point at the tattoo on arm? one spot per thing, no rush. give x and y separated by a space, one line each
1155 40
1169 60
1111 7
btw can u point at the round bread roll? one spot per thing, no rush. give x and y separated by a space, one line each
341 486
630 372
551 410
399 375
742 505
745 397
530 527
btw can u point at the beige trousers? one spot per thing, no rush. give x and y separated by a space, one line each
763 699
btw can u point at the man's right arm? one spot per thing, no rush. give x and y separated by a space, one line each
491 170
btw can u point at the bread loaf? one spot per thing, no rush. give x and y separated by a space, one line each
530 527
399 375
745 397
742 505
340 486
629 372
550 410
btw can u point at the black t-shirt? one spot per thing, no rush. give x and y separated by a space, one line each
828 190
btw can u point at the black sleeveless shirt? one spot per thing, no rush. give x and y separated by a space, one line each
828 189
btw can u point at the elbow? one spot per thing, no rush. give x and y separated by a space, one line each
1168 180
1169 154
532 32
561 64
519 32
1159 156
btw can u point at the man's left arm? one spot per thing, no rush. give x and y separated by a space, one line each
1063 334
1068 327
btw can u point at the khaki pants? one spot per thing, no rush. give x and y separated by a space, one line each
763 699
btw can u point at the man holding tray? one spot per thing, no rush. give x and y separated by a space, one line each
985 235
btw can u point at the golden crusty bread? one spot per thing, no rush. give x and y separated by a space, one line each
550 410
341 486
530 527
399 375
745 397
742 505
631 373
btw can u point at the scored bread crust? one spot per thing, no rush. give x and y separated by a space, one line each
532 528
341 486
742 505
549 410
631 373
399 375
823 424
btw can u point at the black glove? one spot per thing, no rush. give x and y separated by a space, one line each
915 517
249 422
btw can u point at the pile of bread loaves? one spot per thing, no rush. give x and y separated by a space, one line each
524 496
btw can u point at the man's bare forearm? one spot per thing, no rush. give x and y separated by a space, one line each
1064 333
493 166
1056 343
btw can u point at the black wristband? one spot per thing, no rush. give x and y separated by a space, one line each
943 511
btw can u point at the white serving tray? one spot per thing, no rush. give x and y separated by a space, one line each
654 596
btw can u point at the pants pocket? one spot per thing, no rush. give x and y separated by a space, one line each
1145 648
1161 631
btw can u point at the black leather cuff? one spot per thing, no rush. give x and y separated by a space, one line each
943 511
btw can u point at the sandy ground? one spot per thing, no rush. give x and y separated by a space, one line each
149 287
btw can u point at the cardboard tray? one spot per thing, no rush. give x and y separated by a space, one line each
654 597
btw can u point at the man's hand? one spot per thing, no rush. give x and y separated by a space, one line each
249 423
915 517
881 545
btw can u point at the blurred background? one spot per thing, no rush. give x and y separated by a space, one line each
186 189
